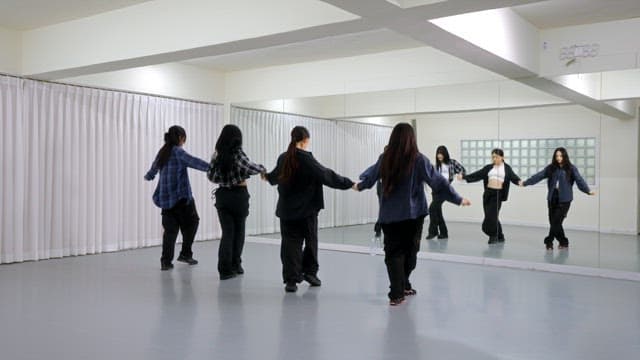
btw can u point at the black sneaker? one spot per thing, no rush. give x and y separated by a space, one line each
442 237
165 267
190 261
228 276
492 240
431 236
239 270
312 279
291 287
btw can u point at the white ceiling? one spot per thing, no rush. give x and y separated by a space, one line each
30 14
560 13
328 48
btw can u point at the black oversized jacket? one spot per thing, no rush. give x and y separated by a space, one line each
483 174
302 195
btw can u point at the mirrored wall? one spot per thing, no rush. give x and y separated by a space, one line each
471 120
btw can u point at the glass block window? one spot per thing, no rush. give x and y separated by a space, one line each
528 156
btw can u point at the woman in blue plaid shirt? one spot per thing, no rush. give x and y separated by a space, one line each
230 169
173 196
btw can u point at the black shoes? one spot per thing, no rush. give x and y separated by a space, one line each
431 236
228 276
165 267
190 261
312 279
442 237
291 287
239 270
493 240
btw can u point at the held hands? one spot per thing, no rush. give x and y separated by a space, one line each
521 183
263 176
465 202
460 177
355 187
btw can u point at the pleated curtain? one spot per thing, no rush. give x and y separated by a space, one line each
73 160
347 148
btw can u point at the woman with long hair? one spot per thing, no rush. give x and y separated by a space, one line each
496 178
300 178
230 168
447 168
561 174
173 196
403 171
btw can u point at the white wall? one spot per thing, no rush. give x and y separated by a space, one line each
619 49
614 209
173 80
11 53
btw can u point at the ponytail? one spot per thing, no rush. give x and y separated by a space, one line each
290 164
171 139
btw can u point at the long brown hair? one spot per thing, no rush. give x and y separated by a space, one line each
399 157
290 164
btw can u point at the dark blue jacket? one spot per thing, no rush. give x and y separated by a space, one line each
407 200
565 189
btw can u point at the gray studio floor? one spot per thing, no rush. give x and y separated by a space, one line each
587 248
120 306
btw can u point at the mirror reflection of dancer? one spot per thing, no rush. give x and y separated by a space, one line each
300 178
173 196
496 178
230 169
560 175
403 204
448 168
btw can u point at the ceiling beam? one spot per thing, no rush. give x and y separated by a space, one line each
520 68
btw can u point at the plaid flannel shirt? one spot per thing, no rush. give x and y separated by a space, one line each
241 169
174 180
455 168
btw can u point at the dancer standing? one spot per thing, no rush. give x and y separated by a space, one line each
173 196
230 169
403 204
448 168
560 175
300 178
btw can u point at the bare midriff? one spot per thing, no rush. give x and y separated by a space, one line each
495 184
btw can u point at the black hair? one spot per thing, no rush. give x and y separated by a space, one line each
229 142
445 155
399 157
566 164
290 163
171 138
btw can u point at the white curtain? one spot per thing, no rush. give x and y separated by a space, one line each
359 146
344 147
72 165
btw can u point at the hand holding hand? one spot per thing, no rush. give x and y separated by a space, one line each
521 183
459 177
263 176
465 202
355 187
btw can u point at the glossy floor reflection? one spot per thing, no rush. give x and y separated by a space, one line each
120 306
587 248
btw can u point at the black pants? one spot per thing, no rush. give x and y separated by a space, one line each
491 204
436 222
401 246
557 213
233 208
295 261
181 217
